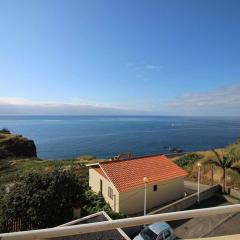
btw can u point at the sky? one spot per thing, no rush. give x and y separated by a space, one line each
157 57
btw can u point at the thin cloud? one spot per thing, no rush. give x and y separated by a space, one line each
14 105
153 67
143 67
222 101
142 71
227 96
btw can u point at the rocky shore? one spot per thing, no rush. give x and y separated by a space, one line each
16 146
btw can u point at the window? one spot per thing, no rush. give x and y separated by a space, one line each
160 237
154 188
166 234
110 192
148 234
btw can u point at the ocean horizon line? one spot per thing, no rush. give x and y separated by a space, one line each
115 115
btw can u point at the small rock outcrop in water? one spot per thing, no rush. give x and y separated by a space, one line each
16 146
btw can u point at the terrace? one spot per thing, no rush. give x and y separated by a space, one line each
77 230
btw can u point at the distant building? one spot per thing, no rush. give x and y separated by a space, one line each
122 186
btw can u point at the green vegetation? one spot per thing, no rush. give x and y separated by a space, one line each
44 200
42 192
11 169
212 172
188 160
16 146
228 161
95 203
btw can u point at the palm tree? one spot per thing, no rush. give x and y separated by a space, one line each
228 161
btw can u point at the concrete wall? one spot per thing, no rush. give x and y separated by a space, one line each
132 202
94 183
188 201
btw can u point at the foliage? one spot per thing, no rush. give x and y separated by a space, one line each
43 200
10 170
228 161
46 199
87 158
95 203
187 161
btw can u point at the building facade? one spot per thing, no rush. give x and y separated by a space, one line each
121 182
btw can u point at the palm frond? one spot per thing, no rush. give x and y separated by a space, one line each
217 155
213 162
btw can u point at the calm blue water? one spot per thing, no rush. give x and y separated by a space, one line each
59 137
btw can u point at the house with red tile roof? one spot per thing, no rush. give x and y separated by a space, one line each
121 182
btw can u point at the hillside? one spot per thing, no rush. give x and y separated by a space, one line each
16 146
189 163
21 159
10 169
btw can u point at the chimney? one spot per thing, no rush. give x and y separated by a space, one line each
123 156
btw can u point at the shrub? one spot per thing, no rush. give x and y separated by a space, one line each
187 161
96 203
42 200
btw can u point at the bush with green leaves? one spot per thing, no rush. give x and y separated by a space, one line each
96 203
187 161
43 200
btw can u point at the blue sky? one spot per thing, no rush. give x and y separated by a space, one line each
154 57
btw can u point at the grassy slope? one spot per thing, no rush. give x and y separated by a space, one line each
10 169
233 179
7 136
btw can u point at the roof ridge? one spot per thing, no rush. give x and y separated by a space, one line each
127 174
109 179
134 158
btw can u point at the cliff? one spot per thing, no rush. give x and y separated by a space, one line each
16 146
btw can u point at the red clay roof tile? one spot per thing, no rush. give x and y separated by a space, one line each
100 171
128 174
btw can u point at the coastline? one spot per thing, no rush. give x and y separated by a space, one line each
63 137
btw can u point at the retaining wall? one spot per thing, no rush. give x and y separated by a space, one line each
188 201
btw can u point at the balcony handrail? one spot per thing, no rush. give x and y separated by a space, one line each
119 223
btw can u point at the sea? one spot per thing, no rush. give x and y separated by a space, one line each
66 137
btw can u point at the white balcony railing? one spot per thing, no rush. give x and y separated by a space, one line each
120 223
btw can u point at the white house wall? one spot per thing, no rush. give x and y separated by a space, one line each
94 183
132 201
